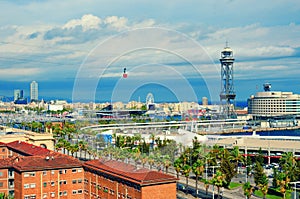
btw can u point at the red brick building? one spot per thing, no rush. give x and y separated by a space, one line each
44 177
114 179
30 171
33 172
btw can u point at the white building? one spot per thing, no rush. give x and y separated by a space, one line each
34 91
274 103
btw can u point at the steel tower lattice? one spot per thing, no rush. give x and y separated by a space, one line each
227 94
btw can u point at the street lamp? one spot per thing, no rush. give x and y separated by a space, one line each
213 167
247 172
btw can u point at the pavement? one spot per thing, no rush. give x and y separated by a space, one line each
236 193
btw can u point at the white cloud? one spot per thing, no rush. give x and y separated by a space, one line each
87 22
116 22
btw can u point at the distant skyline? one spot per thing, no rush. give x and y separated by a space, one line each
82 47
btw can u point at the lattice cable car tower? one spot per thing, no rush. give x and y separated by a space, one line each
227 94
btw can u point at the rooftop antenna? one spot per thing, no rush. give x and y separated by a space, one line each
226 44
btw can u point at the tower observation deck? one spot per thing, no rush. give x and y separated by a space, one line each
227 94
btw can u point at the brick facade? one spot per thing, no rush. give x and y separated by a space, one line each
55 183
114 179
32 172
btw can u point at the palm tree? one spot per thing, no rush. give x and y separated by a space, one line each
248 189
288 162
144 159
186 169
219 180
166 162
151 161
236 156
74 148
198 168
136 155
177 165
283 181
206 186
264 185
82 147
48 126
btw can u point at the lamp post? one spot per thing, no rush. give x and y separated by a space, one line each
213 167
295 187
206 169
247 172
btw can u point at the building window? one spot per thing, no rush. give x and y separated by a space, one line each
62 171
65 193
44 195
32 197
52 171
26 197
74 192
79 180
62 182
44 173
31 174
11 173
1 184
79 170
26 186
74 170
79 191
52 183
32 185
1 173
3 150
74 181
45 184
52 194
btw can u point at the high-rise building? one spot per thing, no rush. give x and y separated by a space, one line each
34 95
18 94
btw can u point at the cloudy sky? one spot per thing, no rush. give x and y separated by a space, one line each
80 47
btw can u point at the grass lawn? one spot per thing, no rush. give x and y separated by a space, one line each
276 195
233 185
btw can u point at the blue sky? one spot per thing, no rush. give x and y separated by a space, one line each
84 44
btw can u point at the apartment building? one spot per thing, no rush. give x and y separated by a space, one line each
28 171
115 179
33 172
44 177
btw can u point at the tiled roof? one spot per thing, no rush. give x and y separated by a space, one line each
38 163
8 162
28 149
129 172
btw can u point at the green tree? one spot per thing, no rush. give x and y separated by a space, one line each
166 162
264 185
259 157
248 190
236 157
198 168
258 174
186 169
283 181
178 165
219 180
206 186
228 169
